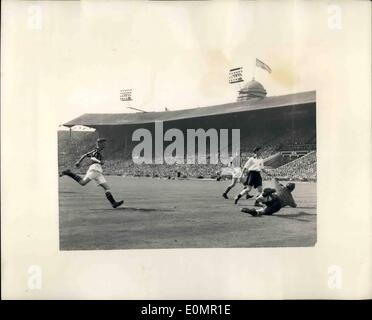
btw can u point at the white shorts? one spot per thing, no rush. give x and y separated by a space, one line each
236 173
95 175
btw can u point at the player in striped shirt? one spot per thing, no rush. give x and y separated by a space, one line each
273 199
94 172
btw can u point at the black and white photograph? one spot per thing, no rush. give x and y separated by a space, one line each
186 149
192 144
192 178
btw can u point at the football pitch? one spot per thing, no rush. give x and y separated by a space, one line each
159 214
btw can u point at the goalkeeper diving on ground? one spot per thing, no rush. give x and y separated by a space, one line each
273 199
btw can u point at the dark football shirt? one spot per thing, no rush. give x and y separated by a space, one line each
95 153
284 195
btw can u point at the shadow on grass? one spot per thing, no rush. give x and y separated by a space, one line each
296 216
133 209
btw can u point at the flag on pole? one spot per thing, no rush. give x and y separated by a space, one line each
263 65
236 75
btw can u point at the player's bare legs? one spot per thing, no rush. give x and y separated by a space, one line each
86 180
259 189
76 177
232 185
245 191
109 196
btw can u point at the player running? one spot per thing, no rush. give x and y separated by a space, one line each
251 174
94 172
273 199
234 164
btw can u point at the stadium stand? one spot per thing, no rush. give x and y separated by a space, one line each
284 126
294 165
303 169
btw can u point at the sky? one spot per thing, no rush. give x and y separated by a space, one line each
173 55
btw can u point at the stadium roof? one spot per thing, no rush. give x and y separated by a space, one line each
104 119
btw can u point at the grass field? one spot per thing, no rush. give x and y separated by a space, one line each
177 214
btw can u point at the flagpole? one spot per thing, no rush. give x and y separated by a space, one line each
254 69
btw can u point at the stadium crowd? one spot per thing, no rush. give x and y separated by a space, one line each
70 148
303 169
